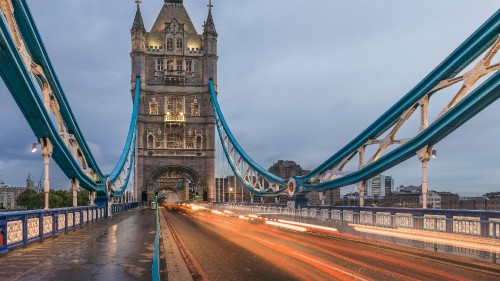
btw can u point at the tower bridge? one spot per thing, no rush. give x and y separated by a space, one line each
171 148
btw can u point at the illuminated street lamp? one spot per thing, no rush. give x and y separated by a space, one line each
46 147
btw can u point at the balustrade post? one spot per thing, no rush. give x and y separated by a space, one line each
393 219
449 223
485 226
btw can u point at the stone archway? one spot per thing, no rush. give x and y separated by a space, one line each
172 183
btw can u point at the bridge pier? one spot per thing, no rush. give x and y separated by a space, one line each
74 189
46 153
186 189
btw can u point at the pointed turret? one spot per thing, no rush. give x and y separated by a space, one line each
138 23
210 48
138 37
209 27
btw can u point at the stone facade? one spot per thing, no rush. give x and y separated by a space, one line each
287 169
9 194
176 129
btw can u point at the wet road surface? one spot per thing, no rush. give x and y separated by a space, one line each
120 248
219 247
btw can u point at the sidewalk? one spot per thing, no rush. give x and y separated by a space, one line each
176 267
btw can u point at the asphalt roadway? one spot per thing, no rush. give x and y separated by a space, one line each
224 247
119 248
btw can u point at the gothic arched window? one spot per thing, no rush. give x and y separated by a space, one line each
170 44
153 107
180 43
199 142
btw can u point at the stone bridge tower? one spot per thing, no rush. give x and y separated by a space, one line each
176 131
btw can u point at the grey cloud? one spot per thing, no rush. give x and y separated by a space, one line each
297 79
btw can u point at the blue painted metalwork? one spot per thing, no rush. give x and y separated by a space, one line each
480 98
22 87
477 100
468 51
81 217
485 221
131 138
156 253
223 128
30 34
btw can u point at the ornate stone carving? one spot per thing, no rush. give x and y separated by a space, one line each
33 228
466 225
14 232
47 225
61 221
435 222
70 219
77 218
404 220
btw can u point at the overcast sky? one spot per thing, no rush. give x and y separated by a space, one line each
298 79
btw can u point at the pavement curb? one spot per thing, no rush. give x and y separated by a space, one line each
176 266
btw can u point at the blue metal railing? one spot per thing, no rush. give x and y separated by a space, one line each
24 227
156 254
480 223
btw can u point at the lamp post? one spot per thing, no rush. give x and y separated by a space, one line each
46 153
424 155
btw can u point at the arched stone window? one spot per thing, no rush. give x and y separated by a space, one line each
150 141
195 108
170 44
198 142
175 105
179 44
153 107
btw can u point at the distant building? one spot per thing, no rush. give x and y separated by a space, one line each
473 203
379 186
409 189
286 169
230 189
9 194
492 201
449 200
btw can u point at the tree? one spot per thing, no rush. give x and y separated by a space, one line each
30 199
83 197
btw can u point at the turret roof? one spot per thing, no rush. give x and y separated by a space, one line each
209 27
172 9
138 23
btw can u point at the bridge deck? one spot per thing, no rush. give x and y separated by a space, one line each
120 248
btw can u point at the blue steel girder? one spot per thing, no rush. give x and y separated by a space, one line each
36 48
476 101
21 86
20 81
120 175
251 175
454 115
467 52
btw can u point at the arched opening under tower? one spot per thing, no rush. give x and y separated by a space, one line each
173 184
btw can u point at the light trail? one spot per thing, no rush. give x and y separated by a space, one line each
315 256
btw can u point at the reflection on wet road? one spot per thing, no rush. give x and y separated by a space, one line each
222 246
120 248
